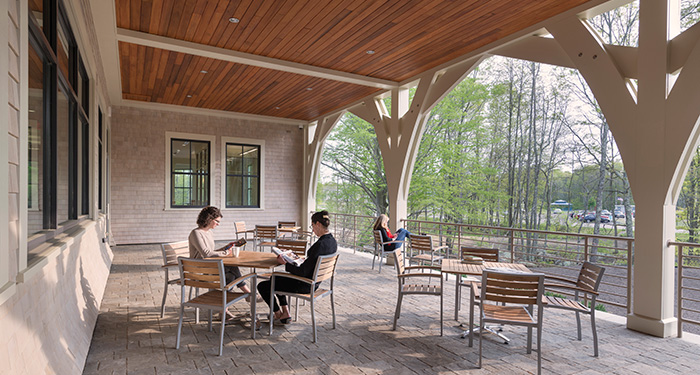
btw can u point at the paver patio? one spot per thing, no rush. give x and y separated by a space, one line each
131 338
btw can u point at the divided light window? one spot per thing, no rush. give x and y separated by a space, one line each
189 173
242 175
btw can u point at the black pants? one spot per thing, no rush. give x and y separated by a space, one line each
284 284
232 273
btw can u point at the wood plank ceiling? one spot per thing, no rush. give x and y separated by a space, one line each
407 37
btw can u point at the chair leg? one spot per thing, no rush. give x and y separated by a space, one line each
441 306
165 295
595 334
381 260
221 335
481 337
373 258
313 317
397 313
333 308
179 327
529 334
296 310
210 317
471 318
578 325
539 348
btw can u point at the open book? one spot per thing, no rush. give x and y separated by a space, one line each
288 256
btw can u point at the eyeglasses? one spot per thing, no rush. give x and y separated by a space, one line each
218 222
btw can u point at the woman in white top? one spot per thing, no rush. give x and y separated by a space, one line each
202 243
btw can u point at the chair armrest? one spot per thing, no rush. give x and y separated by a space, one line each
561 279
572 288
241 279
407 275
476 287
426 267
440 248
291 276
169 265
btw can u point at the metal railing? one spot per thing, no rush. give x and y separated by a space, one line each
687 284
554 253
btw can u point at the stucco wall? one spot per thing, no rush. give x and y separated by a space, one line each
138 160
47 324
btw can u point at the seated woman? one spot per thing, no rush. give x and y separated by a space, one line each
202 243
382 225
325 245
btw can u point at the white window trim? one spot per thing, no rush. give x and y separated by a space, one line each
168 160
247 141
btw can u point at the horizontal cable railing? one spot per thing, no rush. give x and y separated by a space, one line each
554 253
687 281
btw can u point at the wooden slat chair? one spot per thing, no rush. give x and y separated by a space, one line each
423 251
488 255
407 286
514 296
298 247
586 286
287 224
325 269
171 251
265 235
242 232
379 251
209 274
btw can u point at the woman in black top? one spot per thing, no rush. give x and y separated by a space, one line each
324 245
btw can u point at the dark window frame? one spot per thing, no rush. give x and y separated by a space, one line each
207 174
44 41
227 175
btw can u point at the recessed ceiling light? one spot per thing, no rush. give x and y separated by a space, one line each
309 88
370 52
277 107
189 96
234 20
203 71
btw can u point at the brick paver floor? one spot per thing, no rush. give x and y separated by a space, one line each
131 338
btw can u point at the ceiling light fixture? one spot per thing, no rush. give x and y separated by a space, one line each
234 20
277 107
309 88
370 52
203 71
189 96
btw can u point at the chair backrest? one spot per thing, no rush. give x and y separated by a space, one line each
298 247
421 242
512 287
282 224
325 267
590 276
266 231
398 262
377 237
240 227
202 273
488 255
172 250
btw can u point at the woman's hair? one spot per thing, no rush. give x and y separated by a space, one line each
321 217
380 222
206 215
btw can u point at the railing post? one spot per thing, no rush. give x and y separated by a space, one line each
680 290
354 234
459 241
511 245
585 249
629 276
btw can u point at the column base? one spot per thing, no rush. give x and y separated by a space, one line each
655 327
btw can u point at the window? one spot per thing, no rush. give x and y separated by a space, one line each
85 169
99 160
243 175
189 169
57 121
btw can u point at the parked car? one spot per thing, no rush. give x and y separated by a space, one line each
588 216
576 214
605 216
619 214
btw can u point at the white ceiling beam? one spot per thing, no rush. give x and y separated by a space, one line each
104 17
548 51
156 41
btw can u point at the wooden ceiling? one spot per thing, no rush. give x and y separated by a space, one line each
407 37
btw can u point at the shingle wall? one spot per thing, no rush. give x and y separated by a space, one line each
138 213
